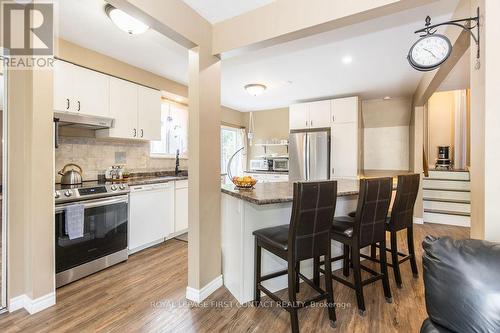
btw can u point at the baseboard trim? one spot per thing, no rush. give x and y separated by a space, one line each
32 305
199 295
418 220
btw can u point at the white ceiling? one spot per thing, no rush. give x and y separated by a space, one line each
305 69
84 23
219 10
313 65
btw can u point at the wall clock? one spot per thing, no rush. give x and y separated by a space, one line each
429 52
432 49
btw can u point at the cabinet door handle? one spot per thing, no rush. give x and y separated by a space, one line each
135 133
79 106
142 133
333 118
333 171
67 103
311 123
307 123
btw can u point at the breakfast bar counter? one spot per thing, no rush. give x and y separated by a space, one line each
268 205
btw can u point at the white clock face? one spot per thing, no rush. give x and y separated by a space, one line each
430 51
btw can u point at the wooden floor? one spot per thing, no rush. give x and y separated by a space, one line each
146 294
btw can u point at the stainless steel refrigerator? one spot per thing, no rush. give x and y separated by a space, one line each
309 155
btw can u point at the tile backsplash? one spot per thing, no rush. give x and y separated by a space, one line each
96 155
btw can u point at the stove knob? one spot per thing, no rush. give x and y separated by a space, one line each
68 193
122 187
113 188
57 195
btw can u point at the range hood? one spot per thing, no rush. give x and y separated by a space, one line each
70 119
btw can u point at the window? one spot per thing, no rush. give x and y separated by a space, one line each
232 139
174 131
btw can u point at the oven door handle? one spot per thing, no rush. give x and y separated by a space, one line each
93 203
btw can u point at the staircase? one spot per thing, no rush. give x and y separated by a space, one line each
447 197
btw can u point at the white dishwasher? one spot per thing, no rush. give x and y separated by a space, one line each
151 216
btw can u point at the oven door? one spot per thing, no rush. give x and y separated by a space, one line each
280 165
105 232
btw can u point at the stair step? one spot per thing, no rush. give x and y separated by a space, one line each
447 200
449 219
447 179
446 184
460 174
447 195
445 189
456 208
446 212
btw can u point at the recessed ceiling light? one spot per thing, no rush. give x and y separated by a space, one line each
124 21
255 89
386 98
347 60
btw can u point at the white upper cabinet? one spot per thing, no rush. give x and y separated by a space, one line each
310 115
345 110
92 93
319 114
299 116
80 90
123 101
64 86
149 114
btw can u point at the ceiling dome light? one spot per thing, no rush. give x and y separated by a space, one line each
124 21
347 60
255 89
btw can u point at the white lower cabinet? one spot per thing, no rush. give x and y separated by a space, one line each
181 206
151 216
269 177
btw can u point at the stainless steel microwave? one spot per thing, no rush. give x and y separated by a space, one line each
280 164
259 165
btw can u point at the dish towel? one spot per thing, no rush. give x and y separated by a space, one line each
75 216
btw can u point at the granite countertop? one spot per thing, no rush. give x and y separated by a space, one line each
272 193
148 178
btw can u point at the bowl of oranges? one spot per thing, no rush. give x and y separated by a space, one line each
245 182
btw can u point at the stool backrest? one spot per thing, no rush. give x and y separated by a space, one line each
406 195
373 206
312 215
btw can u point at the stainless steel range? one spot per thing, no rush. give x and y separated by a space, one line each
104 239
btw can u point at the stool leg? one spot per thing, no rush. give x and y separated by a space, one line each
329 290
383 269
411 251
297 278
345 264
257 262
316 271
357 280
395 258
373 253
292 297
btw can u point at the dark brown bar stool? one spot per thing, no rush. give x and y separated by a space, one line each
307 237
366 228
402 218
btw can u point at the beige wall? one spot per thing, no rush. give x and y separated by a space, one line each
386 131
485 124
441 126
268 125
88 58
231 117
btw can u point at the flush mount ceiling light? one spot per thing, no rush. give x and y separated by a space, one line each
387 98
255 89
347 60
124 21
